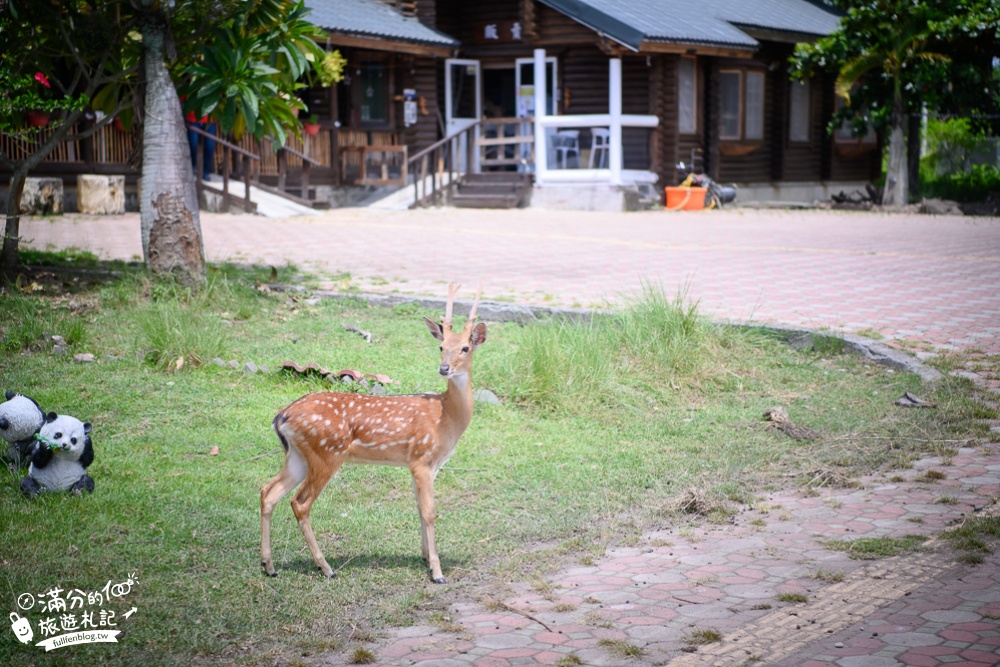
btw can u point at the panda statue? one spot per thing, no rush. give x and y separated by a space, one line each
20 420
60 457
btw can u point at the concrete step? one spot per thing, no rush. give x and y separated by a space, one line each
504 200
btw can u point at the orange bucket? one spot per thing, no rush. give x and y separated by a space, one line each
685 199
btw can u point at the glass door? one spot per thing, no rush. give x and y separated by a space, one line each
463 100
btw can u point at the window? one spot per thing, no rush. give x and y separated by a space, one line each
687 96
799 115
845 133
374 87
741 105
731 93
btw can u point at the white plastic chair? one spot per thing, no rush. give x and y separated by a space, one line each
601 141
566 141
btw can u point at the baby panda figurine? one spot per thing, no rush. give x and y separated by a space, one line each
60 457
20 420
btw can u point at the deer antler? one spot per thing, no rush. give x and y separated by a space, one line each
449 306
475 304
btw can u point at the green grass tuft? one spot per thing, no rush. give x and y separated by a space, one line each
702 637
872 548
621 649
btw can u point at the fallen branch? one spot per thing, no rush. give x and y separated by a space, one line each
367 335
519 611
259 456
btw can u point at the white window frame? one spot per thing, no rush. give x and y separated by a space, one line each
691 126
745 132
800 111
753 127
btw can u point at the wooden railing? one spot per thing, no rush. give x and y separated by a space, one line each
505 142
444 163
285 157
228 151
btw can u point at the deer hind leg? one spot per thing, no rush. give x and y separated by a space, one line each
302 502
293 472
423 484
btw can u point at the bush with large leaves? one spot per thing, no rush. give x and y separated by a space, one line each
248 72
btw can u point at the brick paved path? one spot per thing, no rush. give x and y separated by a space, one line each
920 279
924 610
920 282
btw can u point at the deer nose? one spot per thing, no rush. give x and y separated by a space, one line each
444 369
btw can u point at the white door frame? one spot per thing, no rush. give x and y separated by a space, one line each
453 124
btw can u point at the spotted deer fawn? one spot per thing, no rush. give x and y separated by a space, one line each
320 432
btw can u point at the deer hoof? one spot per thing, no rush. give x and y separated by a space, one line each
269 570
439 580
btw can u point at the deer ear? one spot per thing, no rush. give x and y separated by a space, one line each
435 329
478 334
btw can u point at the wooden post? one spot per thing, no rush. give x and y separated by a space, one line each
305 179
615 109
282 168
246 181
226 161
541 152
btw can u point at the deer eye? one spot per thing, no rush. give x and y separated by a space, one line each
58 436
441 347
465 349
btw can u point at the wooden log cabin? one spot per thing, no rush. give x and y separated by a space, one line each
632 88
611 95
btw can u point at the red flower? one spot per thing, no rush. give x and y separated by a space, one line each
42 79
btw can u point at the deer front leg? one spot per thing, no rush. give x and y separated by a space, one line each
301 504
423 482
423 528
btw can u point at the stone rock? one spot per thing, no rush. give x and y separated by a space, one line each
485 396
265 370
379 390
85 358
250 368
59 349
42 196
233 364
218 362
100 195
940 207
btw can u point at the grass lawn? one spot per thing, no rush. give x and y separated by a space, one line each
604 429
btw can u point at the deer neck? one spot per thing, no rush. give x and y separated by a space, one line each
458 402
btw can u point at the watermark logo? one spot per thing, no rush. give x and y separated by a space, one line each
68 618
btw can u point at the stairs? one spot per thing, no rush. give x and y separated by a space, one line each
495 189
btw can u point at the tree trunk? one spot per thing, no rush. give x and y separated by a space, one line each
896 192
914 127
171 225
9 255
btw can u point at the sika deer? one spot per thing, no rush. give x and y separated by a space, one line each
320 432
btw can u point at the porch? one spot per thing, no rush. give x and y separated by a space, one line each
305 170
